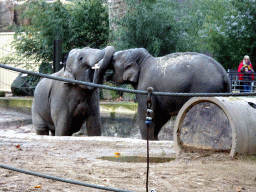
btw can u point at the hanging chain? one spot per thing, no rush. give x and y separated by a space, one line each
148 123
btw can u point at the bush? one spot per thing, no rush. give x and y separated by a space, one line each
2 94
24 85
80 24
148 25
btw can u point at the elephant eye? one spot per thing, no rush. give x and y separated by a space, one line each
127 66
81 58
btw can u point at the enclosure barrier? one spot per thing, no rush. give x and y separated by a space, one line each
127 90
237 147
61 179
216 124
237 80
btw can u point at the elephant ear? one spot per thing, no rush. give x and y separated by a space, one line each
131 71
68 75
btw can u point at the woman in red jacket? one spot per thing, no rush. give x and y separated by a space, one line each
246 63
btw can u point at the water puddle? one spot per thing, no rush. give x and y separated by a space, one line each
137 159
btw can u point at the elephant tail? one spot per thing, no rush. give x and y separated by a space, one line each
226 84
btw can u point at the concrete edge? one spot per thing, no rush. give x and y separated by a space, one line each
24 104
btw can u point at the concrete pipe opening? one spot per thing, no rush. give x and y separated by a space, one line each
211 124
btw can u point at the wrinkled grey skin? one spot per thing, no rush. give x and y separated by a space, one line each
177 72
61 107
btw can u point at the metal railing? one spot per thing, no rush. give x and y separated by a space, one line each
240 80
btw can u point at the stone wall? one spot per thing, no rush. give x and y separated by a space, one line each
6 14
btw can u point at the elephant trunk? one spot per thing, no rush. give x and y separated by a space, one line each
103 64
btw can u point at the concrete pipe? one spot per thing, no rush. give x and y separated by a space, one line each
226 124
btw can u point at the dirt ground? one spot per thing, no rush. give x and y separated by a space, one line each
76 158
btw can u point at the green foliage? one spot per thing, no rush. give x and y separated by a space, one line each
89 24
45 68
109 94
24 85
225 29
82 23
167 26
236 34
2 94
149 25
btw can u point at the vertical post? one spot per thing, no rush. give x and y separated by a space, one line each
148 123
57 56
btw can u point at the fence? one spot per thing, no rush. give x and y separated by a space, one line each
6 76
238 81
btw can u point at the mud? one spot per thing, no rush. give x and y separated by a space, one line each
77 158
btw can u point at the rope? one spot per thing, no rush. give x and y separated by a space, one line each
115 89
61 179
70 80
128 90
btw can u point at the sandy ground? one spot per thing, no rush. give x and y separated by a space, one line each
76 158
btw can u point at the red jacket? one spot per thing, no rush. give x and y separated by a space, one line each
240 76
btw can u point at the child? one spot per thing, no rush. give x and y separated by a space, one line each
247 77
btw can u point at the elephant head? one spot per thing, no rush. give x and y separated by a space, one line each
126 66
88 64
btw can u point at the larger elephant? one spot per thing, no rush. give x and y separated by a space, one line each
188 72
61 108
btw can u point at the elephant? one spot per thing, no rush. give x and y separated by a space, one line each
183 72
60 108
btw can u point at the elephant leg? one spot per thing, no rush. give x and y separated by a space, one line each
93 125
144 129
78 126
62 122
142 109
52 132
160 119
158 122
93 122
42 131
40 126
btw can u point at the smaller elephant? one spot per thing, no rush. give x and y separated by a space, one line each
178 73
61 108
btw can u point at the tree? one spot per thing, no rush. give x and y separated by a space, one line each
79 24
167 26
148 24
236 37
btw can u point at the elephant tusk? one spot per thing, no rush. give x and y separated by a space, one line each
96 66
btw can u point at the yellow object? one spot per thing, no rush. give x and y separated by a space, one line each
247 66
117 154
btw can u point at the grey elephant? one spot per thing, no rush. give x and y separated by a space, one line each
61 108
188 72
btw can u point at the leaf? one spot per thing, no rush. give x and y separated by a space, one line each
117 154
38 187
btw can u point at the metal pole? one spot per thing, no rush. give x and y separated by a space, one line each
148 123
57 56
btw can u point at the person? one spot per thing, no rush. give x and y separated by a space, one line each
244 70
246 62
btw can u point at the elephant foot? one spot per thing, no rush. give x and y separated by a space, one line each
42 132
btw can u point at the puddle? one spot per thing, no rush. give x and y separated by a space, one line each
137 159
